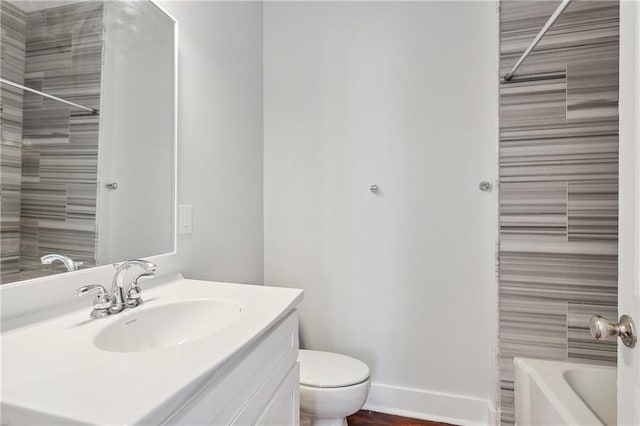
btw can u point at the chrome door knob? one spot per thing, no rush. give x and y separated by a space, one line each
602 328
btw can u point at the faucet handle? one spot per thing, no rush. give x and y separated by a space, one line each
101 303
134 292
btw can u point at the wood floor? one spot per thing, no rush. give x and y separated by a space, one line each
371 418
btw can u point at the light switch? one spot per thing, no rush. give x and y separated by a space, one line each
185 224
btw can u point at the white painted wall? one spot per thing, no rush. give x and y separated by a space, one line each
402 95
220 138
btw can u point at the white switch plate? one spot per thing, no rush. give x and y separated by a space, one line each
185 223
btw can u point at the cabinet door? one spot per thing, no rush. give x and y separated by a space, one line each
245 385
284 406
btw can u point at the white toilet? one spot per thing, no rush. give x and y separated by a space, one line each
332 387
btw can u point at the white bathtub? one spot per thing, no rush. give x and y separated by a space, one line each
564 393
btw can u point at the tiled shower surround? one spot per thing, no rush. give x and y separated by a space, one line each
558 184
13 22
58 144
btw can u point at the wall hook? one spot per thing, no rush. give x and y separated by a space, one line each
485 186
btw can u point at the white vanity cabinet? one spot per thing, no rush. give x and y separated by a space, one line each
195 353
259 386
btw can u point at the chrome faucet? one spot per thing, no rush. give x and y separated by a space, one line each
108 304
69 263
118 300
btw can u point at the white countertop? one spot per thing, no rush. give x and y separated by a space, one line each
53 373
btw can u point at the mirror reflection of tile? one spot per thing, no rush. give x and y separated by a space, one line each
49 150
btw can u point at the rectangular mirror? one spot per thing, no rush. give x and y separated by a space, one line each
88 128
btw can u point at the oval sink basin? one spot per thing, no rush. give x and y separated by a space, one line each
167 325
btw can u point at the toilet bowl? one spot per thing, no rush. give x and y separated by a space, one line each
332 387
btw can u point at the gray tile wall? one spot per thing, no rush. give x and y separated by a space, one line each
558 184
59 144
13 30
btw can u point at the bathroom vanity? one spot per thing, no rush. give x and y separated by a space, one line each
195 352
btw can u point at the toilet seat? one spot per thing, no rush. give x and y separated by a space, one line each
330 370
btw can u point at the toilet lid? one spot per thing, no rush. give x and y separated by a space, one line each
330 370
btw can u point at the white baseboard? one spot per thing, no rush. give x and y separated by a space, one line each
430 405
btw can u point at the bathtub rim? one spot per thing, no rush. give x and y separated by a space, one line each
548 375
